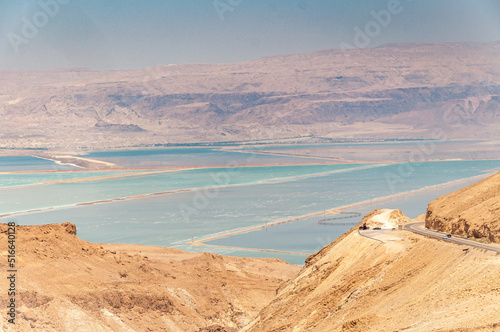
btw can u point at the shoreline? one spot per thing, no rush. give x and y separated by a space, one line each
256 143
89 179
201 242
104 178
78 161
154 168
58 162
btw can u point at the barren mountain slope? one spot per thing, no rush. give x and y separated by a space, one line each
473 211
408 283
67 284
400 90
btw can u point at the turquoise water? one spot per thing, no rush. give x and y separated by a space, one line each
13 180
308 236
66 194
190 157
249 197
352 144
29 163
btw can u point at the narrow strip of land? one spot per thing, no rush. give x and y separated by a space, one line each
93 202
254 249
201 242
153 168
79 161
108 177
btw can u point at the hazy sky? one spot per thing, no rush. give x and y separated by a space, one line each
116 34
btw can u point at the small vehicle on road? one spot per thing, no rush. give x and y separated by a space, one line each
377 228
447 236
364 227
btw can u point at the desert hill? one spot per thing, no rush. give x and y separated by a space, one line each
405 283
397 91
473 211
376 280
67 284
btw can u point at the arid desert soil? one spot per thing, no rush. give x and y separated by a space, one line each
405 283
66 284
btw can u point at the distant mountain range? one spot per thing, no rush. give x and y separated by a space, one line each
441 91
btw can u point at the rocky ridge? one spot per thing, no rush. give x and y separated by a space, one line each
446 90
472 212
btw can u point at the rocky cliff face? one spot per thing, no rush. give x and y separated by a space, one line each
473 211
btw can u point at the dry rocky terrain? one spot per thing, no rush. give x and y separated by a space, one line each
405 283
439 91
473 211
67 284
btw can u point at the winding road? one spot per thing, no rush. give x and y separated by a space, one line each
419 228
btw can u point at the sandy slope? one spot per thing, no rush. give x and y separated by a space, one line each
67 284
408 283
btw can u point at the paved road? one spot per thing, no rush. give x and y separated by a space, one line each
371 234
419 228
